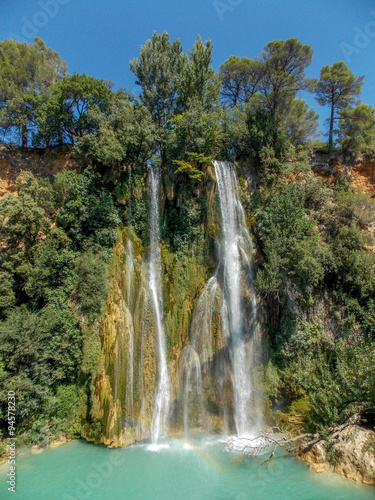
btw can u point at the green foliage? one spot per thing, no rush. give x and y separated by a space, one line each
283 75
125 134
289 242
72 109
357 130
91 281
194 172
26 72
240 79
301 122
196 130
199 84
270 380
337 88
39 350
55 241
185 168
252 130
7 296
71 404
158 71
356 206
85 209
335 381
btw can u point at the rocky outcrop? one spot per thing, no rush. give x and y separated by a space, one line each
40 162
349 452
360 171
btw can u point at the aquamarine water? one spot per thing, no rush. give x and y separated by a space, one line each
199 470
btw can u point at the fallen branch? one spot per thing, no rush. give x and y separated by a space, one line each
251 449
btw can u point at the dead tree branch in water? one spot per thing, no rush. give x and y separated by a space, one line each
248 448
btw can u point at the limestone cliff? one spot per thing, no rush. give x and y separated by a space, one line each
349 452
41 162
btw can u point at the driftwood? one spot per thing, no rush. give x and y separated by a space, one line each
252 449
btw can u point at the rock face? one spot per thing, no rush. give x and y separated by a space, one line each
40 162
351 453
360 171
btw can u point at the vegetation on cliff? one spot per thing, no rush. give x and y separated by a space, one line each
315 260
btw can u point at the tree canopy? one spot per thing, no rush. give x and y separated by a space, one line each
337 88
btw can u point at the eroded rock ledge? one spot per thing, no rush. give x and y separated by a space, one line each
349 451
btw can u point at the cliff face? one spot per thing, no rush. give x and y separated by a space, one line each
124 388
361 172
196 321
42 163
198 350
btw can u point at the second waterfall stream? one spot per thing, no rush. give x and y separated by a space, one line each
237 272
161 408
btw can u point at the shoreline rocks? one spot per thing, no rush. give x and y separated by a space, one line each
349 452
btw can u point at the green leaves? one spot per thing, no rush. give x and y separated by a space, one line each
26 72
73 109
85 209
91 281
336 379
283 76
357 130
240 79
39 349
159 70
291 243
199 83
337 88
125 134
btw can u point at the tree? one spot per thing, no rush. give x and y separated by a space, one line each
240 79
159 71
23 219
126 134
357 129
199 82
337 88
85 209
300 121
37 351
283 75
73 109
26 72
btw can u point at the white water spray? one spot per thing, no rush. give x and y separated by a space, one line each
236 258
161 408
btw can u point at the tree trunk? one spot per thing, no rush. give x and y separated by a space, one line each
60 134
330 137
24 136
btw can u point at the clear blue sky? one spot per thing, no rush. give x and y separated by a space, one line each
99 37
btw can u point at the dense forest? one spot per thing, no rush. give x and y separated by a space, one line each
315 264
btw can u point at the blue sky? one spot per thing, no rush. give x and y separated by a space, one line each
99 37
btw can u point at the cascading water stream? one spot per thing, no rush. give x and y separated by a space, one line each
129 267
237 263
199 350
161 407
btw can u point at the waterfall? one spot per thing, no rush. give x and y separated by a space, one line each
129 327
161 407
193 387
235 254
